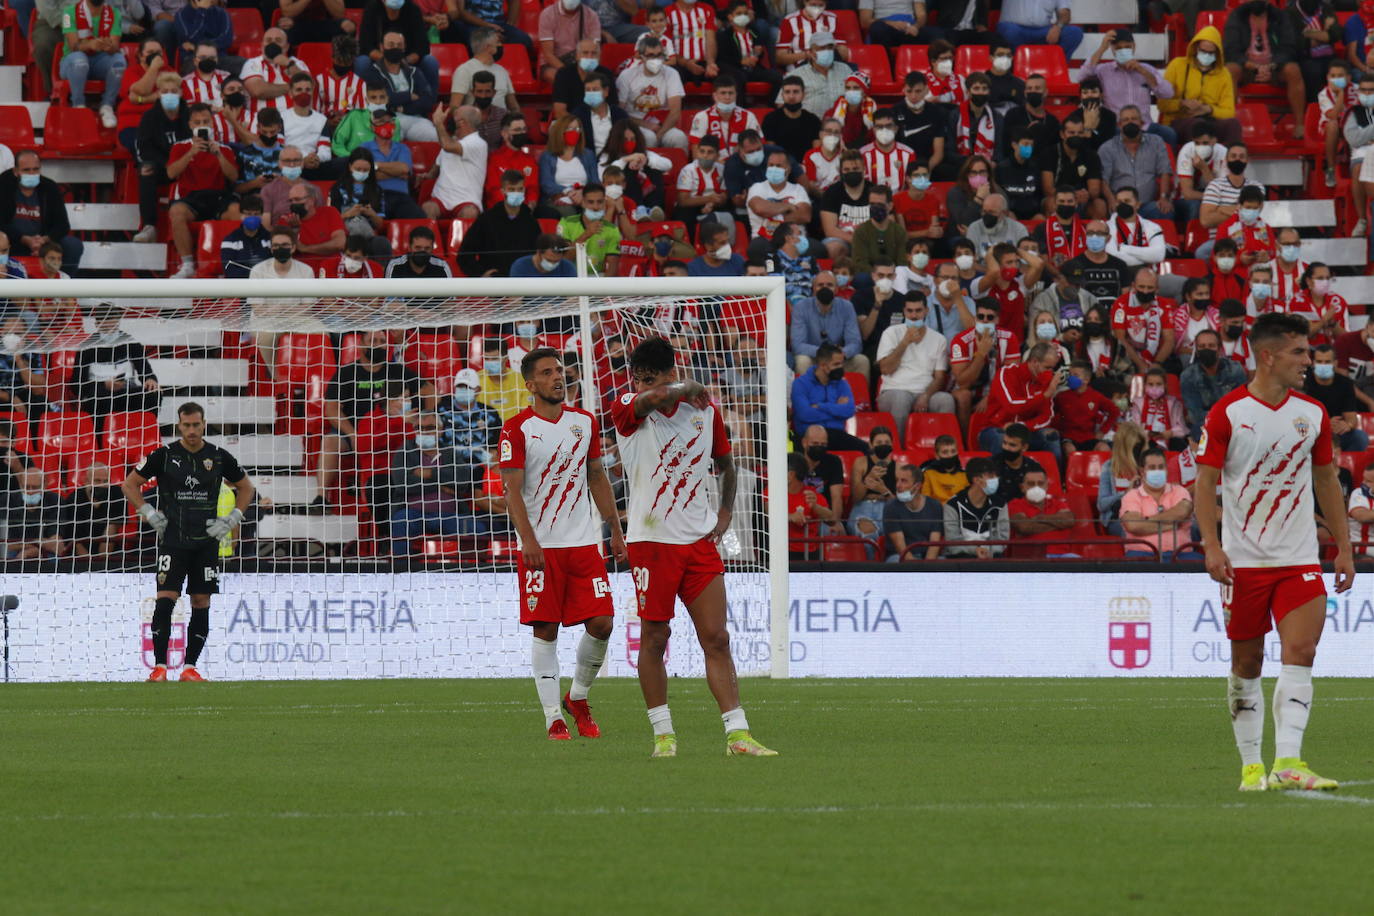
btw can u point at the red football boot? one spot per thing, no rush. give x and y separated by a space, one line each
558 731
159 674
582 715
189 673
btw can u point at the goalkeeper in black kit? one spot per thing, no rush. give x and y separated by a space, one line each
189 529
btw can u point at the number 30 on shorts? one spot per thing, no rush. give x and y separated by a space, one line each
641 574
534 580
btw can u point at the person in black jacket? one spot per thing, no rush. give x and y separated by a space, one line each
33 211
112 373
415 98
740 52
409 20
160 128
501 234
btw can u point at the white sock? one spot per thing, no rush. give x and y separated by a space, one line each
544 664
1292 705
661 719
591 652
734 720
1245 699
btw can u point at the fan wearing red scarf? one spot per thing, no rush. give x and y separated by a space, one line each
91 30
1063 236
1253 237
1138 321
979 131
1326 312
1228 275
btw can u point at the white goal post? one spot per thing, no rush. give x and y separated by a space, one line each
182 316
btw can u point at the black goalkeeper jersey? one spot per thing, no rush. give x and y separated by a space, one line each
188 488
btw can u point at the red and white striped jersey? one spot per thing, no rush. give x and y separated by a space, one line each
668 459
727 131
554 456
223 133
196 88
824 172
262 68
334 94
797 29
1265 454
889 167
692 180
1286 285
688 26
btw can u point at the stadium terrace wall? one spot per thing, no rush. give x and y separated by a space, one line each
358 625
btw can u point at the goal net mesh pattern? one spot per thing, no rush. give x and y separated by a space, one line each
378 543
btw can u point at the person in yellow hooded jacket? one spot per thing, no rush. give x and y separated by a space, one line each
1203 88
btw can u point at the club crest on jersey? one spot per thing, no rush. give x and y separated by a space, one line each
1302 426
698 423
208 464
577 432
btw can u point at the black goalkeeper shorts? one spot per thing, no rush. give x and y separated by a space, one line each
197 567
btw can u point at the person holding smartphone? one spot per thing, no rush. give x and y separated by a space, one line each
204 172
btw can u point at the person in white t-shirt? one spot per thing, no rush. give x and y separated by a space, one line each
304 128
486 44
914 362
652 93
462 165
1361 509
775 200
281 266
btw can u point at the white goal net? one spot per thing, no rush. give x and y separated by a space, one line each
366 413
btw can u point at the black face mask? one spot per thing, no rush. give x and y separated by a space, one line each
519 141
882 451
792 106
989 220
1130 131
272 52
1207 358
852 179
948 465
617 362
1125 211
978 100
235 100
1234 331
299 210
1093 329
1008 456
1236 167
420 258
374 355
207 65
1145 297
877 212
1035 99
1202 304
825 295
817 452
1076 143
268 142
394 55
282 255
482 103
1066 211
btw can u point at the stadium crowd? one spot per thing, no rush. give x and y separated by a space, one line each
1012 296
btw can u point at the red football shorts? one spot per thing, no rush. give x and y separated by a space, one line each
1256 594
571 587
663 572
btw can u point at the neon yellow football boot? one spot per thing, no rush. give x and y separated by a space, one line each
742 744
1292 773
1252 778
665 746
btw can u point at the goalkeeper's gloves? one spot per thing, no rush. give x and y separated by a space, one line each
155 519
220 528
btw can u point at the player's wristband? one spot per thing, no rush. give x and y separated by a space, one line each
147 511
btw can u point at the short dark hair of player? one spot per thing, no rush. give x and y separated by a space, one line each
710 141
654 356
1231 308
980 467
1272 327
978 79
915 294
549 241
532 358
190 409
1018 431
825 351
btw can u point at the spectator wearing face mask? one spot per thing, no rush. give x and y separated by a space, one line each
808 511
821 397
362 205
32 519
914 362
1130 236
826 319
872 481
881 236
112 373
1083 416
551 259
354 263
1139 322
1199 161
1159 413
1361 512
471 427
1039 515
1221 199
1246 227
419 261
1158 511
1207 379
943 476
973 515
1023 394
248 245
1229 279
429 488
1327 313
1129 82
911 517
503 233
718 257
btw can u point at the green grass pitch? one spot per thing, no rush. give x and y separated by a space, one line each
891 796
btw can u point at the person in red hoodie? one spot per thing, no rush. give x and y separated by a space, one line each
1228 274
1081 412
1024 393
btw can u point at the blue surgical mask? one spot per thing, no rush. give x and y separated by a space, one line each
526 329
1324 371
4 259
725 108
775 174
252 222
1260 290
463 396
1025 149
921 182
803 244
1124 55
990 485
1367 100
1096 243
1156 478
588 64
1337 82
1045 331
915 322
1249 215
853 96
291 172
515 198
905 496
593 99
1206 58
171 101
425 440
29 181
33 499
983 328
395 4
663 247
359 175
594 215
494 366
825 57
753 159
1291 252
547 265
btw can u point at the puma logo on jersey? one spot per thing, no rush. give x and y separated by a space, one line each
1247 426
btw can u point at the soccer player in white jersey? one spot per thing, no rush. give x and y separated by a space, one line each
552 474
1268 442
670 434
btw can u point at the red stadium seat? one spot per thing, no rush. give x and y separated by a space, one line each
247 25
74 132
1085 469
872 59
318 56
842 549
847 459
66 446
1214 18
612 55
305 364
19 425
970 59
450 58
911 58
1083 505
130 436
847 28
1051 466
457 230
858 383
862 423
16 129
1257 130
398 234
1049 61
423 155
516 60
1367 423
1187 267
435 358
211 236
922 429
